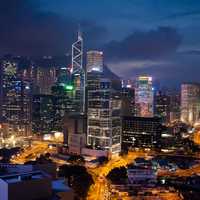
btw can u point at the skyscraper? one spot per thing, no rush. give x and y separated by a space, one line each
78 73
128 101
63 92
43 114
45 78
104 105
190 102
15 98
94 61
162 106
144 96
175 106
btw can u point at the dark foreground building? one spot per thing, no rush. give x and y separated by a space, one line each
140 132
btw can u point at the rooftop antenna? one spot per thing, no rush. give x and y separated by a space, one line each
79 32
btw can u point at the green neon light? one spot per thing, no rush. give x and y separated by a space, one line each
69 87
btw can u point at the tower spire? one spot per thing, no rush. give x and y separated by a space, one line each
79 32
78 73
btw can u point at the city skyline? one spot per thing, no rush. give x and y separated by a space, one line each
162 42
99 100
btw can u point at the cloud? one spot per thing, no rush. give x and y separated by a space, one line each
183 14
190 52
26 30
170 71
131 66
152 44
157 53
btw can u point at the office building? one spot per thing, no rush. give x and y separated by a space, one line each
127 83
15 99
45 72
44 80
94 61
175 106
103 111
43 114
4 131
64 93
75 131
190 103
64 76
49 110
140 132
63 103
162 106
128 101
144 96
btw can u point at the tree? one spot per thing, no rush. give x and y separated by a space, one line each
6 154
117 175
76 160
78 178
81 184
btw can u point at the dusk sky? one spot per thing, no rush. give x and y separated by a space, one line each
156 37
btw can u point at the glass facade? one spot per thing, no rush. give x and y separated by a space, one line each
140 132
144 96
104 121
94 61
15 98
190 103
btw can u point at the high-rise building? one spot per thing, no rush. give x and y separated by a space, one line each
140 132
162 106
190 102
64 76
144 96
128 101
75 132
78 74
103 111
63 103
45 78
94 61
127 83
175 106
49 110
15 99
43 114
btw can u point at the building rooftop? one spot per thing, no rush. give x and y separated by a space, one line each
107 73
152 119
19 177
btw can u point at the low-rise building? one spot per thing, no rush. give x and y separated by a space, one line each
142 173
23 186
32 182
